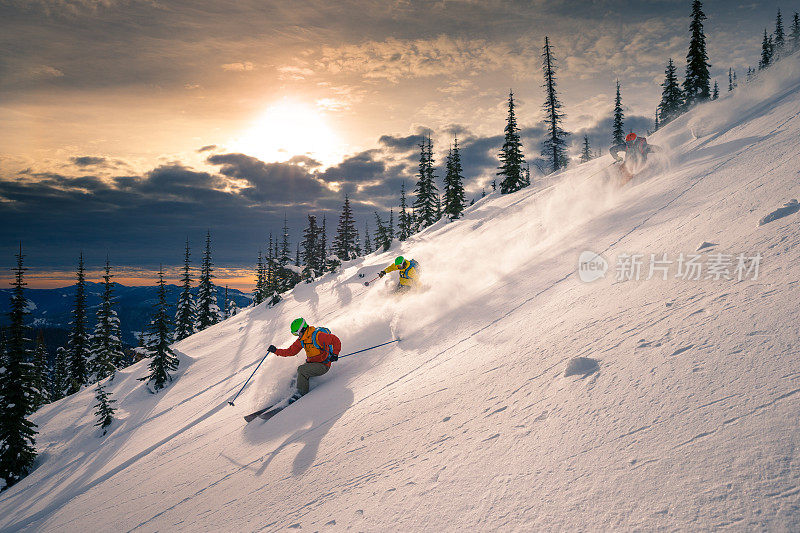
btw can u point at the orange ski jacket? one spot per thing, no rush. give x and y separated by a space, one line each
313 354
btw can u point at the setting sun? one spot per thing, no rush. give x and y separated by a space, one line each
288 129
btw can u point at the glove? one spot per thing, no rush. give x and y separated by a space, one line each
272 348
333 357
381 274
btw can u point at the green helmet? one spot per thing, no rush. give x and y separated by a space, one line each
399 261
298 325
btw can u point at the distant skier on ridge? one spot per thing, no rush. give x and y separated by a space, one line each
636 150
321 346
408 270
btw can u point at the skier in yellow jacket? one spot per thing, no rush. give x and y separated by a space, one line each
408 270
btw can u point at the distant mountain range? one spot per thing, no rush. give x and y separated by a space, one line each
51 309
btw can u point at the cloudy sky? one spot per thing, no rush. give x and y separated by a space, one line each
127 126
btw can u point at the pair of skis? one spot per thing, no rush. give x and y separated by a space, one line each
270 411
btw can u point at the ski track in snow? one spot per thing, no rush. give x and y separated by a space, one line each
687 421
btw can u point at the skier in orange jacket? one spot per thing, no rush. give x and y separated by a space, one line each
321 346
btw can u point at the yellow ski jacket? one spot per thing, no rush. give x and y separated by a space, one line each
408 272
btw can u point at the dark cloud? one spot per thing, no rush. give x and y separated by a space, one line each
401 144
207 148
87 161
271 182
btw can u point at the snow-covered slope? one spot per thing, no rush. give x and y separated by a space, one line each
689 420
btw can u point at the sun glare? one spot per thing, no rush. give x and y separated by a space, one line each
289 129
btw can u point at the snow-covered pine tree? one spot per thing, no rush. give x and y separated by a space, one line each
618 131
344 241
231 308
285 256
730 79
794 37
309 257
391 224
41 380
511 158
697 85
382 239
207 308
715 92
526 180
766 52
106 345
454 199
672 102
60 382
185 318
657 125
554 147
322 243
426 191
357 241
297 255
78 343
586 152
258 292
157 345
104 410
368 249
18 394
780 36
405 224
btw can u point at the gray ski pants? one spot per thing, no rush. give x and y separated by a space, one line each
308 370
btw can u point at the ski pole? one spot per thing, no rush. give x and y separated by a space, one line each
366 283
370 348
248 380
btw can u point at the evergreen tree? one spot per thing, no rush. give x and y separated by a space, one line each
382 239
671 95
357 240
285 256
185 314
322 242
426 191
41 368
554 147
258 293
780 36
697 85
233 307
226 305
107 353
344 245
60 382
18 394
794 37
454 198
78 343
104 410
368 249
207 308
657 125
526 181
405 224
766 52
309 256
618 133
730 79
391 224
297 255
586 153
511 158
715 93
157 345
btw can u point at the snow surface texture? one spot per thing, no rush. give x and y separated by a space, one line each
688 421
